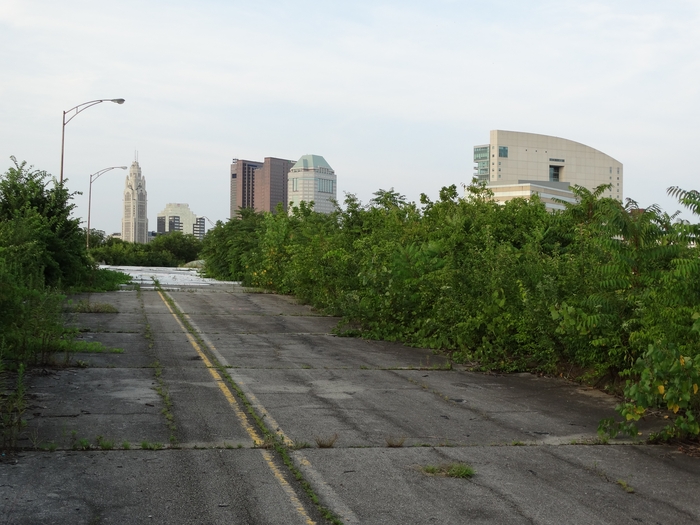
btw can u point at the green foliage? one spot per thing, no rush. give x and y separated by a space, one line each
605 289
172 249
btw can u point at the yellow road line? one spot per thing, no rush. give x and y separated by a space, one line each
262 411
245 422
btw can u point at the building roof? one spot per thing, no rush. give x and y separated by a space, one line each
310 162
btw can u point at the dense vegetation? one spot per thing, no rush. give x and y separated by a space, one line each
173 249
597 292
42 254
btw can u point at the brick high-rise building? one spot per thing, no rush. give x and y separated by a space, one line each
259 185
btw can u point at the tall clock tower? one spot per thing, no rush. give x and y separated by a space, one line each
135 218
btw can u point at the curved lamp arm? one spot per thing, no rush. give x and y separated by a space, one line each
77 109
85 105
93 178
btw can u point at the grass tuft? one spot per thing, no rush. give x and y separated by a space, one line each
450 470
298 445
395 442
84 306
326 442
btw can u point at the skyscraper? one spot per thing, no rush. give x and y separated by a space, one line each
312 179
135 218
259 185
178 217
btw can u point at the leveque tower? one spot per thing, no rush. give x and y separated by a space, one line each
135 218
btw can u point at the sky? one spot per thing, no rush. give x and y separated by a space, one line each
393 94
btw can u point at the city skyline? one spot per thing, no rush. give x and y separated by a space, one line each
388 91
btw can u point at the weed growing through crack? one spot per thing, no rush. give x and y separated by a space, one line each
450 470
50 446
267 442
326 442
395 442
146 445
164 394
518 444
298 445
82 444
104 444
84 306
161 389
126 445
626 487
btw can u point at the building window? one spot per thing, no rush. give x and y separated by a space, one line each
481 153
610 169
554 173
295 184
503 152
325 186
618 171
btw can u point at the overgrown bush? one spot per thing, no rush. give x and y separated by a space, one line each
597 292
173 249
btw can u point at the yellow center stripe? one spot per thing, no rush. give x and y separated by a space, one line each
245 422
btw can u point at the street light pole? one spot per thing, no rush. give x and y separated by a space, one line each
93 178
77 109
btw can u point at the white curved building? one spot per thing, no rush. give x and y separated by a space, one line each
513 158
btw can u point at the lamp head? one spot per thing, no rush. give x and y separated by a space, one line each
117 100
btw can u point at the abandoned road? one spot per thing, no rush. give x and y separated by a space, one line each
170 424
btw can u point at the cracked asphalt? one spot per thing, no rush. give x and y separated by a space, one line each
145 431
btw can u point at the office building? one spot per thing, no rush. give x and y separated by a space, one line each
514 163
259 185
177 217
135 218
312 179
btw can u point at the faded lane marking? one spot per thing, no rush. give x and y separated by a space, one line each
238 380
286 487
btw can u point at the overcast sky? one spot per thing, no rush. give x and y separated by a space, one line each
391 93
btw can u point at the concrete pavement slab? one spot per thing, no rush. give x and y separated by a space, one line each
536 484
71 404
365 407
164 487
261 350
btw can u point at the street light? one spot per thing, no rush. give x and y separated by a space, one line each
93 178
78 109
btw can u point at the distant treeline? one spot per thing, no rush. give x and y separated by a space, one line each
172 249
601 292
